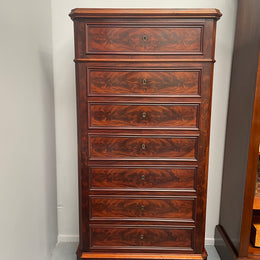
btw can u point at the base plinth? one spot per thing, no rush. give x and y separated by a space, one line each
139 256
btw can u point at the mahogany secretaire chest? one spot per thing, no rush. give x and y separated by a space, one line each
144 83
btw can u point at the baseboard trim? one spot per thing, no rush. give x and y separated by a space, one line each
209 241
67 238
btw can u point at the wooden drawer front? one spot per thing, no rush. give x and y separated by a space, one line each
143 178
172 82
181 209
112 115
148 147
144 39
151 237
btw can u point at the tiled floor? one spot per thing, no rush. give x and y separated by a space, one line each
66 251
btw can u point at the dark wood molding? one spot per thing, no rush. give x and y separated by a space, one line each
145 13
78 60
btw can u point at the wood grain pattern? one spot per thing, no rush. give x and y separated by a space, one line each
105 207
129 115
157 82
133 147
143 178
126 60
137 238
133 38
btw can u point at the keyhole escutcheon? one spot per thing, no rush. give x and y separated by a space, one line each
145 38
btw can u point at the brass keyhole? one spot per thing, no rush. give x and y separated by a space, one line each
144 81
142 177
144 115
142 207
143 146
144 37
142 236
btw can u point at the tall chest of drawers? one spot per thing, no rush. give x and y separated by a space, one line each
144 81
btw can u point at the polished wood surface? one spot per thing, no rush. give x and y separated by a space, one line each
144 81
202 22
103 147
144 13
127 115
126 39
256 204
143 178
129 208
253 251
141 238
242 134
142 256
144 84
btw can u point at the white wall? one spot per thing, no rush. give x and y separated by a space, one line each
65 102
28 218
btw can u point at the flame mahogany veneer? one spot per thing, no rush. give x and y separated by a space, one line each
144 84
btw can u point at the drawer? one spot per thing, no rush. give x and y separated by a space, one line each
126 81
127 115
129 208
148 237
108 177
137 148
143 38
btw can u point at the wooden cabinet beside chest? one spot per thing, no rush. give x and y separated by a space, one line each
144 83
